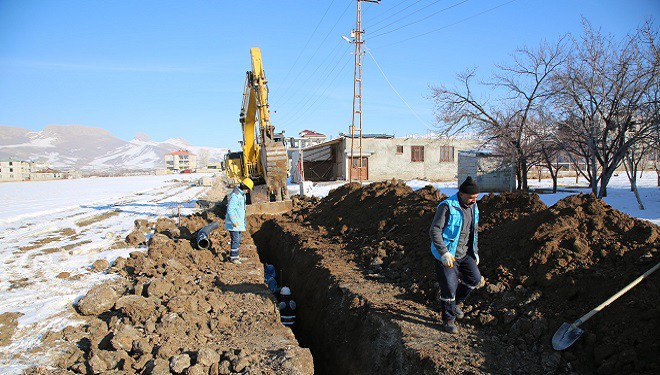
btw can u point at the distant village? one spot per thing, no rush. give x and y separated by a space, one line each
314 157
18 170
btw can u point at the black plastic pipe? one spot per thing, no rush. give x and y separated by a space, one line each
203 240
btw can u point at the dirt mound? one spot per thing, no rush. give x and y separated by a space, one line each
500 208
569 258
385 227
543 265
186 310
183 310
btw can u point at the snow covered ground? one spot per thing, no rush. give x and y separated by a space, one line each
54 227
49 228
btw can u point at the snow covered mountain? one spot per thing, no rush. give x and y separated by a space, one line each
88 148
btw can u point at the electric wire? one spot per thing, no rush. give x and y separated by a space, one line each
287 89
286 76
446 26
303 102
332 56
406 16
419 20
395 90
392 15
319 96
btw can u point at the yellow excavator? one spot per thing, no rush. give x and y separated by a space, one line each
263 157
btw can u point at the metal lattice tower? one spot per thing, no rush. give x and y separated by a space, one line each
357 91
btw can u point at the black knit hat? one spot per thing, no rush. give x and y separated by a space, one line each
469 186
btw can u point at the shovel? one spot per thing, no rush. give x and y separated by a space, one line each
567 334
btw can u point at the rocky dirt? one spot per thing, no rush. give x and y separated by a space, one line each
360 267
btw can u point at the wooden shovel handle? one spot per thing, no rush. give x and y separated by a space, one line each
614 297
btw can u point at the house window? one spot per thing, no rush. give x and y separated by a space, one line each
399 150
417 153
446 154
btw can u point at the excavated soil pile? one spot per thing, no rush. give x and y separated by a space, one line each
360 267
569 258
385 226
543 266
182 310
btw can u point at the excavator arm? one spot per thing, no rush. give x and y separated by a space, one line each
264 160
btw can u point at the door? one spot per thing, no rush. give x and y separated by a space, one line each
356 172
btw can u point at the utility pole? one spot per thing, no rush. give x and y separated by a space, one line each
357 91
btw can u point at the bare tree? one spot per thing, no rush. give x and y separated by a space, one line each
523 88
603 90
634 156
203 158
547 145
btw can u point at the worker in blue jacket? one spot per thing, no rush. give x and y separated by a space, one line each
235 217
269 278
454 233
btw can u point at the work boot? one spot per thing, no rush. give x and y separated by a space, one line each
459 313
450 327
236 261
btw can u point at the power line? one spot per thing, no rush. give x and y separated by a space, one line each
447 26
394 7
420 20
319 96
406 16
394 89
308 40
330 57
315 87
286 90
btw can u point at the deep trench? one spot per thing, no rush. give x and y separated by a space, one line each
342 340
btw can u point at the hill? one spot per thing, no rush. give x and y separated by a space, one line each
90 148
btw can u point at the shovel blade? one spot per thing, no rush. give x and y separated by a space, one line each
565 336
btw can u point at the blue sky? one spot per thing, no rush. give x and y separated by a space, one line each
177 68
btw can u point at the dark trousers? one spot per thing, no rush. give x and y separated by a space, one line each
235 243
451 292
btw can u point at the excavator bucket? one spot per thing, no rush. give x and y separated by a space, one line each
271 208
274 161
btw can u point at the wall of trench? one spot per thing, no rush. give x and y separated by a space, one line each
343 336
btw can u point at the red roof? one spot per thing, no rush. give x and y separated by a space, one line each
181 152
311 134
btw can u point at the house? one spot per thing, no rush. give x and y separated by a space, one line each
384 157
15 170
306 138
491 171
46 174
180 160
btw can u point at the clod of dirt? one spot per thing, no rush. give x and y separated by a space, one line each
136 238
100 265
8 324
99 299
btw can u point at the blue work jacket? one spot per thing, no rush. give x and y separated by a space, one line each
452 230
236 211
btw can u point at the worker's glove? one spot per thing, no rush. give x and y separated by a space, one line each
447 260
476 258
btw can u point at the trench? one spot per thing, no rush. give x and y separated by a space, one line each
343 337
